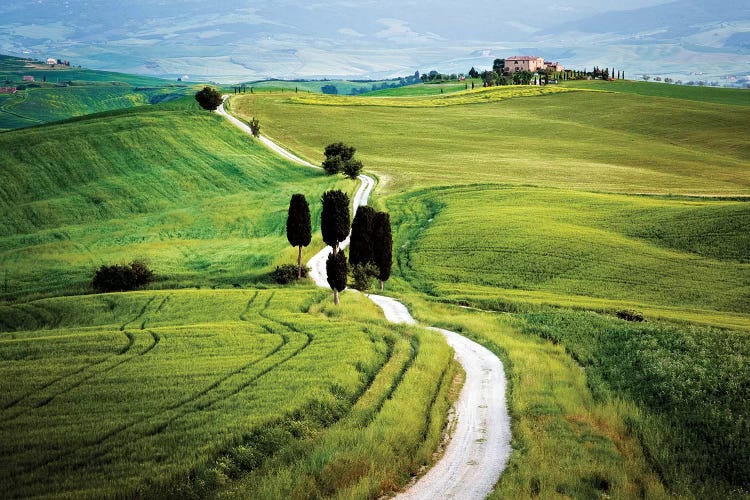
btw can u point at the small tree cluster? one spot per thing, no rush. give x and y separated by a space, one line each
340 159
118 278
255 127
371 246
209 98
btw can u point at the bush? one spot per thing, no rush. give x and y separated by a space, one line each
287 273
362 275
629 315
119 278
255 127
352 168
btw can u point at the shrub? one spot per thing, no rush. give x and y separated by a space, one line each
352 168
117 278
255 127
629 315
287 273
362 275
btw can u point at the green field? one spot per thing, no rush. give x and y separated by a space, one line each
343 87
188 392
739 97
64 92
547 206
184 190
580 140
523 218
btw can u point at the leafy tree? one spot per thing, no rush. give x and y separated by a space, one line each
340 158
329 89
498 66
361 245
208 98
255 127
334 219
298 227
352 168
362 275
383 246
337 271
473 73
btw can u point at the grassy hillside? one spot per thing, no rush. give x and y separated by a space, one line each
579 140
181 188
491 245
62 92
564 233
740 97
185 393
343 87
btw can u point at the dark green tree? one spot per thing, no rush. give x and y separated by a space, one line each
498 66
298 227
208 98
255 127
473 73
337 155
361 244
337 271
352 168
383 246
334 219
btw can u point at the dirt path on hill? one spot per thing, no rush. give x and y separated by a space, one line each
479 447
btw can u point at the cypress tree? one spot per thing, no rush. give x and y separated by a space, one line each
337 270
334 219
298 227
383 246
361 249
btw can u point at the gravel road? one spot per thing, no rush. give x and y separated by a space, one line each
479 446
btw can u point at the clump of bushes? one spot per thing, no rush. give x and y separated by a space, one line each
630 315
362 275
119 278
287 273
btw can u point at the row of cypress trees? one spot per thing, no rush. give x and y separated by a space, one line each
371 238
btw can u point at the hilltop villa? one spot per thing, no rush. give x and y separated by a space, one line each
530 63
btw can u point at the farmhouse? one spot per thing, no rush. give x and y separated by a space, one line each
51 60
529 63
28 78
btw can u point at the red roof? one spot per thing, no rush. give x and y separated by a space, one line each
522 58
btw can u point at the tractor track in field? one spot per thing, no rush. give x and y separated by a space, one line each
479 447
94 450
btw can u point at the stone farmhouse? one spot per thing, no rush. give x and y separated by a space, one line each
530 63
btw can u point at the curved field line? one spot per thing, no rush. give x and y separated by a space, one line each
140 314
61 378
180 407
156 338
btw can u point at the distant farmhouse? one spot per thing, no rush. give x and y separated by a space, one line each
51 61
530 63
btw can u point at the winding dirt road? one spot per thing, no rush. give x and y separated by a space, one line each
480 444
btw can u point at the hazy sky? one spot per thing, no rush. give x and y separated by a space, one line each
232 40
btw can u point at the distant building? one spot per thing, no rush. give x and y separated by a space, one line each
51 61
28 78
8 90
530 63
523 63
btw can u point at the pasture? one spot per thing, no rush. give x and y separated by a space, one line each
202 202
591 141
561 210
187 392
65 92
740 97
